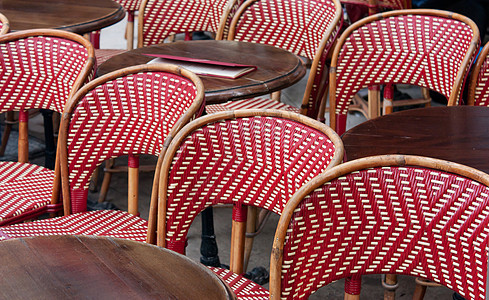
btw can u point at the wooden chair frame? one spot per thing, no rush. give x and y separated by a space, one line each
194 109
157 232
341 170
5 24
473 98
461 73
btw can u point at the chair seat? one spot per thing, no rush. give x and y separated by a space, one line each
25 191
257 103
242 287
112 223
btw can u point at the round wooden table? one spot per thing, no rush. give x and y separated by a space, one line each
82 267
78 16
458 133
277 68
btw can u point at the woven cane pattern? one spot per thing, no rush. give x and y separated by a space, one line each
164 18
110 223
258 103
481 88
23 188
244 289
129 5
404 220
129 115
258 161
421 50
386 4
39 72
295 25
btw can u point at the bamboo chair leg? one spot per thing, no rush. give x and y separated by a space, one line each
130 30
250 228
419 292
373 102
133 184
23 143
9 121
390 286
104 189
352 288
238 239
388 98
426 95
276 96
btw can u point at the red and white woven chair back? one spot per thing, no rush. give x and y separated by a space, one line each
160 19
383 4
479 83
41 69
426 220
130 5
426 48
306 28
4 24
125 113
252 159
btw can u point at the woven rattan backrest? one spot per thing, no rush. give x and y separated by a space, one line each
130 111
479 81
130 5
381 4
160 19
306 28
42 68
427 48
387 214
4 24
243 157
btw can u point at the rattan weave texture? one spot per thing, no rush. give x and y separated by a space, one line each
256 161
38 69
160 19
427 220
306 28
129 5
127 115
431 50
39 72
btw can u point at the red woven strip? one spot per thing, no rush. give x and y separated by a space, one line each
255 161
412 221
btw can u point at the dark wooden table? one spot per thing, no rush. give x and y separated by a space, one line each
459 134
78 16
277 68
81 267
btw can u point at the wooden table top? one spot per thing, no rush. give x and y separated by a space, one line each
458 133
78 16
74 267
277 68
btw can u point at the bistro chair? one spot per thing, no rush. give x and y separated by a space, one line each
4 25
394 214
40 69
158 20
244 158
127 112
478 93
421 47
306 28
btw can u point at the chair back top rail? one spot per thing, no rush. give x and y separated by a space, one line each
4 24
